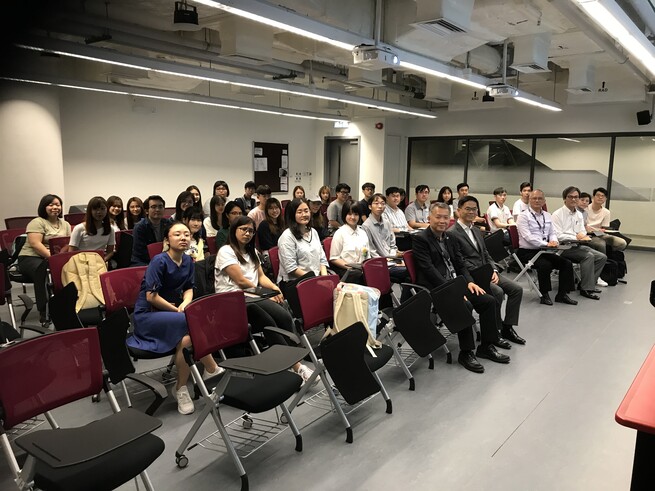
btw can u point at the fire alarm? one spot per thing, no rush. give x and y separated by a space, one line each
379 126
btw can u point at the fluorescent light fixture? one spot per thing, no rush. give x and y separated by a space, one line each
573 140
173 97
540 102
615 22
447 76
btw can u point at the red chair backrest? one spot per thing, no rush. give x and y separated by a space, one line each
18 222
57 262
284 203
75 218
48 372
121 287
211 245
7 237
274 256
155 248
56 244
169 211
376 274
217 321
119 235
327 243
408 259
316 297
514 236
544 208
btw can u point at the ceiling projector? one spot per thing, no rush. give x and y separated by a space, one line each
374 57
502 90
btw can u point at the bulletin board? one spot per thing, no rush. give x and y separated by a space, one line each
271 165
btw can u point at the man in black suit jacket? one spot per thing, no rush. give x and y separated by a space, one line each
439 260
475 254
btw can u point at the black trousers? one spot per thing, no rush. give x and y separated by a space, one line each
490 322
545 265
265 313
35 270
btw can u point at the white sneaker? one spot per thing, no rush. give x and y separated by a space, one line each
305 372
208 374
184 402
601 282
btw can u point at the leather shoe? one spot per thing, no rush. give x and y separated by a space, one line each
589 294
490 353
510 334
564 298
594 290
502 343
545 299
468 360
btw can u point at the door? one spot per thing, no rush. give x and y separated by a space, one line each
342 163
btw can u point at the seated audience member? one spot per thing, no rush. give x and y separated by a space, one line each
522 204
392 212
95 232
271 228
438 260
184 200
402 204
500 217
417 212
115 211
238 268
220 189
569 226
32 258
446 196
159 322
583 204
598 219
214 222
368 188
247 202
350 247
231 212
135 212
334 209
257 213
192 218
298 192
475 254
300 249
149 230
318 220
463 190
195 192
535 228
325 193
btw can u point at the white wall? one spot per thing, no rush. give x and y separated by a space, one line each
30 148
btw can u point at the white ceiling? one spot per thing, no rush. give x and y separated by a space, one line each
145 28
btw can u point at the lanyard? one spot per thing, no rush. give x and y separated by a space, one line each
542 226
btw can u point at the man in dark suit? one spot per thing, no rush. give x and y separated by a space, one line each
438 260
475 254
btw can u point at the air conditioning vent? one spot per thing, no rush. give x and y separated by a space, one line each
579 90
530 68
441 27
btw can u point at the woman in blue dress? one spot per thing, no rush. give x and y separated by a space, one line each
159 321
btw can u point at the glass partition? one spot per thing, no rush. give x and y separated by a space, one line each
437 163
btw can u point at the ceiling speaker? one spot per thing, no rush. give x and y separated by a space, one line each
643 117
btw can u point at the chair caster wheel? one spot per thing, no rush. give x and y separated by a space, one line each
283 420
247 422
182 461
95 398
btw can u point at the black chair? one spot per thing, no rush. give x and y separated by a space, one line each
49 372
448 301
494 244
123 256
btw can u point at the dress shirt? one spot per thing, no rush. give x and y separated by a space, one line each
350 245
396 218
416 212
568 223
470 234
535 229
380 237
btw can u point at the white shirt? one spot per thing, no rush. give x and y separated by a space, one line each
518 208
469 232
396 218
598 219
568 223
503 214
227 257
350 245
85 242
306 254
257 215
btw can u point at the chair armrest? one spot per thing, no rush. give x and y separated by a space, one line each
284 333
153 385
414 285
274 360
66 447
29 305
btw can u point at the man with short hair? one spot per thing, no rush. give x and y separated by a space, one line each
334 209
392 212
247 202
148 230
569 226
463 190
522 204
438 260
257 214
368 188
499 214
598 219
475 254
535 228
417 212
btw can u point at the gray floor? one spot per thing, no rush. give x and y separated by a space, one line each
543 422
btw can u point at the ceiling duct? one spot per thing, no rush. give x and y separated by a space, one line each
245 41
364 78
444 17
581 77
531 53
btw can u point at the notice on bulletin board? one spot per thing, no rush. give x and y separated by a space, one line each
271 165
261 164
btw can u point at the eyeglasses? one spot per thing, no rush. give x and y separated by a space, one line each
470 210
246 230
572 196
156 207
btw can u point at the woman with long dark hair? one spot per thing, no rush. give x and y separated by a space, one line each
446 196
135 212
95 232
184 200
231 212
269 231
115 211
214 222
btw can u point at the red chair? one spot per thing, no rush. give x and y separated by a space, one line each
327 243
17 222
119 236
75 218
7 237
211 245
121 288
51 371
220 321
273 254
56 264
154 249
58 244
284 203
5 298
169 211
